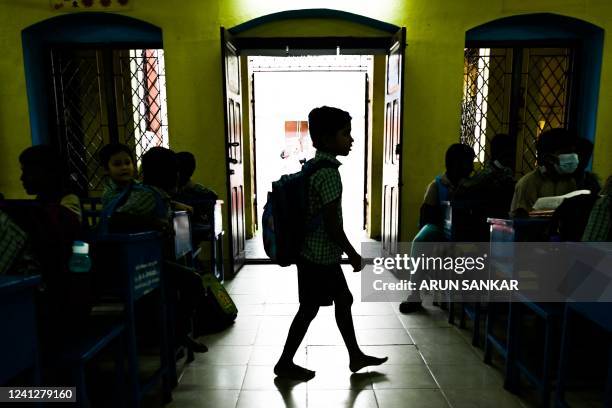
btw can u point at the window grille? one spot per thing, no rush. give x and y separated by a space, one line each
496 99
102 96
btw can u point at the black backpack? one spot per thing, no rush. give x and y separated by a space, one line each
284 216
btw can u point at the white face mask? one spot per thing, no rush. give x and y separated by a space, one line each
568 163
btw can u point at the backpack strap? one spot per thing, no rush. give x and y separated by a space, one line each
442 190
110 208
108 211
309 169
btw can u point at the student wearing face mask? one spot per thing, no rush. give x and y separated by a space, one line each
558 161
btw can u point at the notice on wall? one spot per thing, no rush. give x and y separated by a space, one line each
91 5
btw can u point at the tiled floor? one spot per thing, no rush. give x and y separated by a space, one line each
431 364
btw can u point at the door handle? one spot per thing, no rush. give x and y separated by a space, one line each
233 161
234 144
398 149
231 172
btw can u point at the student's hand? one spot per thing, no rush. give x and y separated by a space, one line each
164 227
356 262
182 207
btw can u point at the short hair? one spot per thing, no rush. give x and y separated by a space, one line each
186 166
159 168
501 144
457 153
553 140
49 160
326 121
111 149
42 156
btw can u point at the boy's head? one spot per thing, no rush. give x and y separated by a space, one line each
42 171
330 130
186 167
459 161
117 161
557 151
159 169
502 149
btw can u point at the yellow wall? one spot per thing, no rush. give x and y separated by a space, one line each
433 75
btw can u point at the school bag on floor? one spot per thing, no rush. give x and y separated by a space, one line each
284 215
216 311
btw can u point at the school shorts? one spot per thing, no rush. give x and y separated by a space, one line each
322 285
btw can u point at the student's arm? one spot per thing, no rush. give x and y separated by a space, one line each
525 195
337 235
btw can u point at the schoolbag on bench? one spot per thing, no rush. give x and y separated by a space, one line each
284 216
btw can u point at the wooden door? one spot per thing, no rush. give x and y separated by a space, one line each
234 154
392 163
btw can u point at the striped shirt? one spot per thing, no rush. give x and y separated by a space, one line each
12 243
599 226
324 187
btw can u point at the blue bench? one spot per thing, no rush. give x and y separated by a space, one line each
597 313
502 265
19 340
129 266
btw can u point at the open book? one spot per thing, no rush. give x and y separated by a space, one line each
551 203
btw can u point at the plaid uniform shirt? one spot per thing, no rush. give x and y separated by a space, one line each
12 243
324 187
143 202
599 226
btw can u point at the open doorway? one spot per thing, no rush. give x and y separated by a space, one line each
284 90
381 203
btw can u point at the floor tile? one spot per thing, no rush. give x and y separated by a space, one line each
214 377
482 399
467 376
202 398
224 355
403 376
458 353
383 336
269 355
341 399
421 398
436 335
260 377
340 378
398 354
272 399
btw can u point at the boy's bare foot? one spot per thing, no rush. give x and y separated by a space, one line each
293 371
358 363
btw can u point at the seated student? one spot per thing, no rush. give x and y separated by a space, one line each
148 207
557 161
190 192
599 225
585 180
43 175
118 163
459 162
494 184
64 303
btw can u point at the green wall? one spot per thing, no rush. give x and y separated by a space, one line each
433 76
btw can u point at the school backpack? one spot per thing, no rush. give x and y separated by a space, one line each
284 216
215 311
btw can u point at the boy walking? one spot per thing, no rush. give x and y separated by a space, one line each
320 278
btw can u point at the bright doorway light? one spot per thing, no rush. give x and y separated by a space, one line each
286 89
